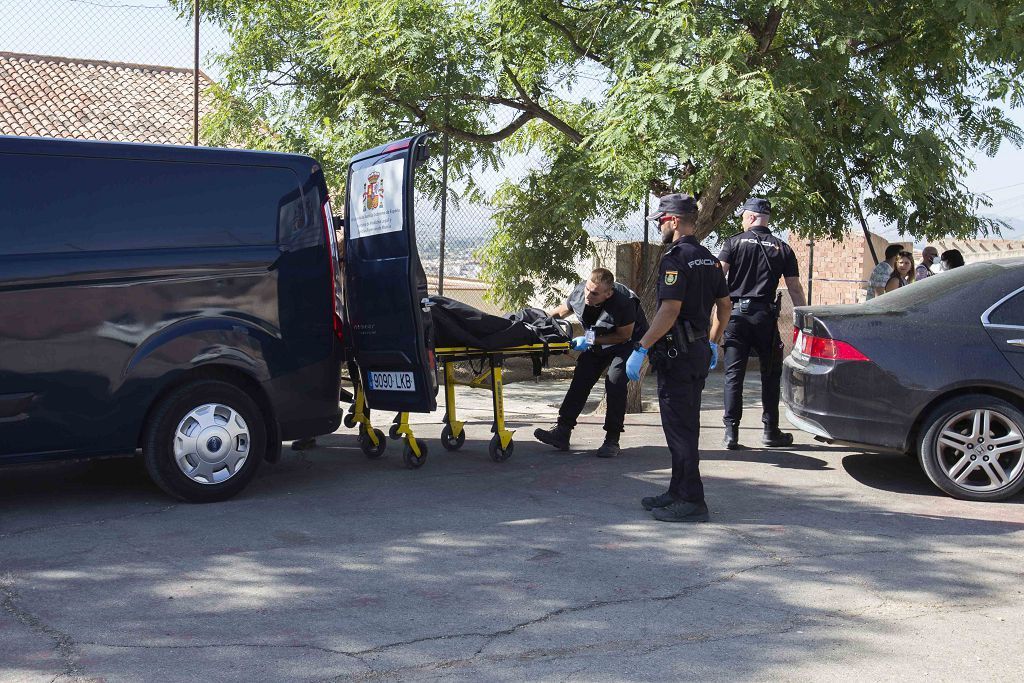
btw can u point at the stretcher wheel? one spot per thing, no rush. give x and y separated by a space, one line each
369 450
499 454
350 420
452 443
393 432
411 461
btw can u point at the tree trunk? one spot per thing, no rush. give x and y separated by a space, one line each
645 284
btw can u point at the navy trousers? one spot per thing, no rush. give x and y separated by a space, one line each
589 367
679 391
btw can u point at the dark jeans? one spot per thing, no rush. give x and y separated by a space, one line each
679 391
755 332
589 367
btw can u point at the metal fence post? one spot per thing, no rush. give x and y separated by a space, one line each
195 80
444 184
810 270
647 237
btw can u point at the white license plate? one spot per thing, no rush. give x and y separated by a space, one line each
392 381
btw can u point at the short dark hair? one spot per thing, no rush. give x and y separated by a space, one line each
953 258
603 276
893 250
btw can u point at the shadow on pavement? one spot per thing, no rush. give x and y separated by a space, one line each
331 566
896 473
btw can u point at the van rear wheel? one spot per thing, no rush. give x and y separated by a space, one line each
204 441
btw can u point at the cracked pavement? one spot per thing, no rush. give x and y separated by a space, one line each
818 563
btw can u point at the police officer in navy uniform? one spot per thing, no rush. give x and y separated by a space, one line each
754 261
613 320
690 283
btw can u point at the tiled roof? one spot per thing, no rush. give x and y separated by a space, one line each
88 99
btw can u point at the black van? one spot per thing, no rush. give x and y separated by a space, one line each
182 301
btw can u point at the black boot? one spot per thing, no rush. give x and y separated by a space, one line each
558 436
731 441
683 511
609 449
661 501
775 438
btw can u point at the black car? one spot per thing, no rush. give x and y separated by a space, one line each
935 369
182 301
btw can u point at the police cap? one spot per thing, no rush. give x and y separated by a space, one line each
674 205
757 205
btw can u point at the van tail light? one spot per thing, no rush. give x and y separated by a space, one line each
825 348
332 243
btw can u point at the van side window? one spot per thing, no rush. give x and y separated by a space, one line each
55 204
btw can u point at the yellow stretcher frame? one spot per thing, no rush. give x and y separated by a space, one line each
453 434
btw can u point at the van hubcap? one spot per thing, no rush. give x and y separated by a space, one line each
981 450
211 443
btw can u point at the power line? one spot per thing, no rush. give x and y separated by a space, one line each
1004 187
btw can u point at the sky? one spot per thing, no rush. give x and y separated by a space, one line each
150 32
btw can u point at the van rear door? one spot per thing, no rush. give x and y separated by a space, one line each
385 285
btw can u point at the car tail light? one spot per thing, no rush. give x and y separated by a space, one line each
825 348
332 242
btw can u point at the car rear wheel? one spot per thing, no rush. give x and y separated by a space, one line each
204 441
973 448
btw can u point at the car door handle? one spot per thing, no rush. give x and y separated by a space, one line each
1016 342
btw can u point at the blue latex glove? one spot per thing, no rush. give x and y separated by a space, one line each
636 360
714 355
579 344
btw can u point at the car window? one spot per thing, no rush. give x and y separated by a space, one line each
74 204
1010 312
935 287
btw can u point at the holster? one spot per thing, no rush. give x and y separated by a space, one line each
670 347
776 307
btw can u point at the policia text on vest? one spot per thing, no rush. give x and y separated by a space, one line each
754 261
690 284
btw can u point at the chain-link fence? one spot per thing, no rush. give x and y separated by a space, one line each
124 70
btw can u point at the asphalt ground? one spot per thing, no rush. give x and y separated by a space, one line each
818 564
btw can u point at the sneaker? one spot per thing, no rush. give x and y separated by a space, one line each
558 436
662 501
683 511
303 444
774 438
609 449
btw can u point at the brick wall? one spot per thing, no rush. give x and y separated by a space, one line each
841 267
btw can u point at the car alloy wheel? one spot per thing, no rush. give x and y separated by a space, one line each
980 450
211 443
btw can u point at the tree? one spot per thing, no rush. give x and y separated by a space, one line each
816 103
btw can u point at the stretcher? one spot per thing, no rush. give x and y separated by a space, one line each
453 434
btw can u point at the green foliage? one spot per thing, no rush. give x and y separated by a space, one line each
817 104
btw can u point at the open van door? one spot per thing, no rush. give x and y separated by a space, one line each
385 286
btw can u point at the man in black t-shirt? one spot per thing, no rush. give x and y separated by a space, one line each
754 261
612 320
